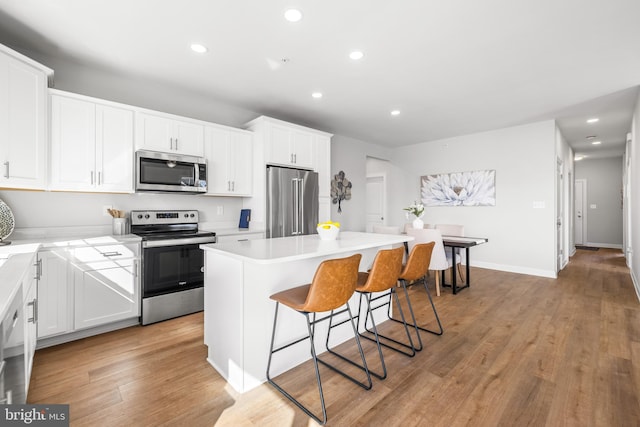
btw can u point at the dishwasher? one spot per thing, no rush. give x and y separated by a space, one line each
12 359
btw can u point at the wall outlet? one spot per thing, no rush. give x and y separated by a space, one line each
105 210
220 210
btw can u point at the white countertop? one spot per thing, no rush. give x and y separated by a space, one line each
15 261
283 249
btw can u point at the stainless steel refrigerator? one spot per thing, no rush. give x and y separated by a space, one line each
292 202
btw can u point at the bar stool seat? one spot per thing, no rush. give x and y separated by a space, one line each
333 284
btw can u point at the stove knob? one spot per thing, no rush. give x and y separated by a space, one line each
146 216
192 215
186 215
139 216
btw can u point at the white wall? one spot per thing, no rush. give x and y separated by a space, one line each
604 190
350 155
634 188
521 238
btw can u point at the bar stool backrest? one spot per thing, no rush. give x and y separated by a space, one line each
418 262
333 284
385 270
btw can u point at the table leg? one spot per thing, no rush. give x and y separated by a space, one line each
453 270
468 262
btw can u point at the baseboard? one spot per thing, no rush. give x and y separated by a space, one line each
516 269
84 333
636 286
603 245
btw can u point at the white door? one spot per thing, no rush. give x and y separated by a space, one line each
579 220
376 196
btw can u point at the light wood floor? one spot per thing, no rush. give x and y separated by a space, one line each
517 350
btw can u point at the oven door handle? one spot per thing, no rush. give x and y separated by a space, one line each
177 242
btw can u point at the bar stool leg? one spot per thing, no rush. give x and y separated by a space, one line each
363 367
322 421
411 345
433 307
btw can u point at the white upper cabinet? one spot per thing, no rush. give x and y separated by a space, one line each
169 135
285 143
229 155
23 119
91 145
289 146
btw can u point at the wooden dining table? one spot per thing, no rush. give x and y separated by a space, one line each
455 242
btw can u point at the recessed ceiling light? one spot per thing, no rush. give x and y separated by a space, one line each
198 48
293 15
596 142
594 120
577 158
317 95
356 55
395 112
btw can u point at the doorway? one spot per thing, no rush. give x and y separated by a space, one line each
579 219
559 216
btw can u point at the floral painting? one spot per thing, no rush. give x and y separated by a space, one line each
476 188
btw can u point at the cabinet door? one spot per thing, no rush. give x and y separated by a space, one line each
241 163
217 155
31 316
154 133
22 125
279 141
188 138
53 308
114 148
302 149
72 144
106 295
323 165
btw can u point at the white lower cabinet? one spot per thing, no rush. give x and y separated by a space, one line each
53 294
106 295
88 286
30 290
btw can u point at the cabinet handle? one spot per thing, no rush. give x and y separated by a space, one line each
295 158
34 304
291 156
110 254
228 185
176 143
38 265
91 177
99 178
233 186
6 170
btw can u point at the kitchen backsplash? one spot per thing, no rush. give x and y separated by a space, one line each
36 209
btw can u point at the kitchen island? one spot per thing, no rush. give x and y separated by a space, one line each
238 314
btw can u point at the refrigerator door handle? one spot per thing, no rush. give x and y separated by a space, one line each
294 226
301 206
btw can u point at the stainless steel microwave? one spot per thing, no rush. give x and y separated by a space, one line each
168 172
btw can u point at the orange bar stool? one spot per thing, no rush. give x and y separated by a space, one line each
415 271
383 277
333 284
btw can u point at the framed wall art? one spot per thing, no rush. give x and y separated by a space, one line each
475 188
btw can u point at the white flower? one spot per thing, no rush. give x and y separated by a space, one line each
416 208
475 188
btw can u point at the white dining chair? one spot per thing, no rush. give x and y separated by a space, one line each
453 230
386 229
409 225
439 260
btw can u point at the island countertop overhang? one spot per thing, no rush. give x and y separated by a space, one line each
285 249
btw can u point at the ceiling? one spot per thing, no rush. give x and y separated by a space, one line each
450 67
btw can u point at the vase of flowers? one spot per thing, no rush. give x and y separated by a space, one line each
416 209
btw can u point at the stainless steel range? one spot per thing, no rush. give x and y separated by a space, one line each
172 263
